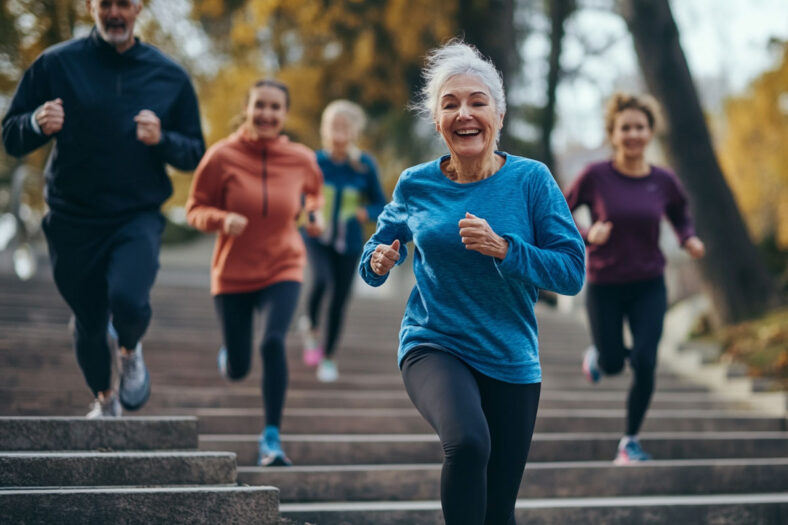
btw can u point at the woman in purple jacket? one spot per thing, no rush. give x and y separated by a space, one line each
627 198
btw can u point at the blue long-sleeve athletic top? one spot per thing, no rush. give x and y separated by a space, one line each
346 188
97 167
475 306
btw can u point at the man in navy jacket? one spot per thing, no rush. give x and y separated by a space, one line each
119 110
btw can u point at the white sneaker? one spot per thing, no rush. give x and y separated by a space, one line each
327 371
107 408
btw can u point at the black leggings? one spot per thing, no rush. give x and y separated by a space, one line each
236 317
485 428
330 267
104 269
643 303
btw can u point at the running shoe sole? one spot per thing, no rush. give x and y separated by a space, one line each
274 460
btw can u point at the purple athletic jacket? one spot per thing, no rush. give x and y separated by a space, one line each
635 206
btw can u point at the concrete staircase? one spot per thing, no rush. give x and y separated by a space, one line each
132 470
362 453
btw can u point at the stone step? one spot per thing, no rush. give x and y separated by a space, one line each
541 480
67 469
355 449
763 509
53 346
218 504
78 433
174 367
77 398
374 423
65 380
29 363
408 421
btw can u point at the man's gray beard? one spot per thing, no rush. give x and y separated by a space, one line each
113 40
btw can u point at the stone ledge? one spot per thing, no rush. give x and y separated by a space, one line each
764 509
696 362
227 504
541 480
69 469
78 433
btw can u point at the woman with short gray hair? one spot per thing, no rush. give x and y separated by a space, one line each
489 230
453 59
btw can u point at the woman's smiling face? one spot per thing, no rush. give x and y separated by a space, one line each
631 133
467 118
266 111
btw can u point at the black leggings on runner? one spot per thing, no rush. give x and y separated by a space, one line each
236 315
643 303
485 428
334 269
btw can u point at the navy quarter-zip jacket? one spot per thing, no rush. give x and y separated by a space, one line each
97 167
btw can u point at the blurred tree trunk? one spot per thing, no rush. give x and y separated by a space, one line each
736 278
490 26
65 17
559 11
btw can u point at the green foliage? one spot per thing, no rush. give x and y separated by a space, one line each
178 233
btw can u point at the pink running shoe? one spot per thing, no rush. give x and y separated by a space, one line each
631 454
313 352
313 355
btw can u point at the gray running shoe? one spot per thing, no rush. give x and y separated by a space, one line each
107 408
134 379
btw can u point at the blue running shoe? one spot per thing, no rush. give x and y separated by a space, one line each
631 454
221 362
591 364
271 453
134 379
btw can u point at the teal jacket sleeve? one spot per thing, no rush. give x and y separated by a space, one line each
392 225
556 260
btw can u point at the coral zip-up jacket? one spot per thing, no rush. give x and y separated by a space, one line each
263 180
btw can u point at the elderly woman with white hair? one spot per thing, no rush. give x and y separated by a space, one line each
489 230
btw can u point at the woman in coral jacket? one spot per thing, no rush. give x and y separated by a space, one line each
249 188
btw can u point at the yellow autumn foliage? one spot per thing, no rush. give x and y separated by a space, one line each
366 51
754 155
